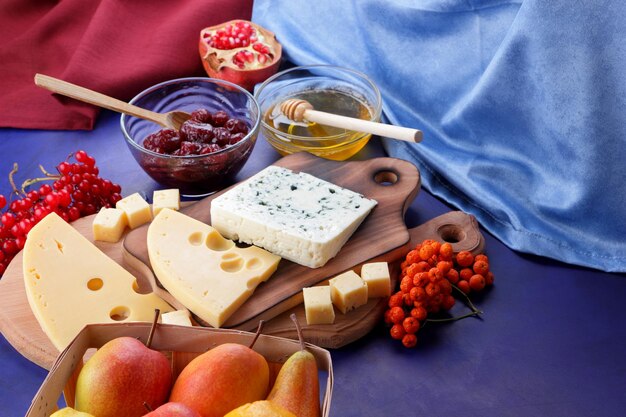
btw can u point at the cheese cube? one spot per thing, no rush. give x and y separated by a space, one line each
136 208
348 291
179 317
318 305
376 276
70 283
294 215
207 273
165 199
109 225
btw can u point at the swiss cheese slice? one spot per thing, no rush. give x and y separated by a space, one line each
70 283
207 273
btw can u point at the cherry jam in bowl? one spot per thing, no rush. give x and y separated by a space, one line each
210 149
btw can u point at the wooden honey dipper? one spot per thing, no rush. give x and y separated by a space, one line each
299 110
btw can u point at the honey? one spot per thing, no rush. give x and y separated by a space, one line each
324 141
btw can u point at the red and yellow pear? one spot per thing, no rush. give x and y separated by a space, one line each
222 379
297 385
120 377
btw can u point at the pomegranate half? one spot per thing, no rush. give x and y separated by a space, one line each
239 51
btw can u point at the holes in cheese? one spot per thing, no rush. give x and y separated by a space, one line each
232 265
195 238
69 283
211 280
95 284
217 242
119 313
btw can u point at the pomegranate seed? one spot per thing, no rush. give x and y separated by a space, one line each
3 201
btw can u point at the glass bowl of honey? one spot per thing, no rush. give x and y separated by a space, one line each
329 89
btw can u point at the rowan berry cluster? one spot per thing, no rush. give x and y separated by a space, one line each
76 191
428 275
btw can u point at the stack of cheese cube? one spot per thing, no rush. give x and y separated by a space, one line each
132 211
346 292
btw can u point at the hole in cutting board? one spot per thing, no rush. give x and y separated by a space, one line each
386 178
451 233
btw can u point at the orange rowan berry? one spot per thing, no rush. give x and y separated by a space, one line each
426 252
419 312
444 266
388 317
413 256
428 242
435 274
406 299
481 267
464 258
418 295
412 270
477 282
448 302
489 278
421 279
409 340
397 332
411 324
466 274
481 257
464 286
445 252
436 247
453 276
395 300
432 289
423 266
404 265
396 315
446 287
406 284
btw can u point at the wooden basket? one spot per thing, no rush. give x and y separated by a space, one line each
180 344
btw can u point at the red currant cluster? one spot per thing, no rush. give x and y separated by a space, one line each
77 191
428 275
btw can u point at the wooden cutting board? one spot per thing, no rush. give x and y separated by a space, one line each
393 183
21 329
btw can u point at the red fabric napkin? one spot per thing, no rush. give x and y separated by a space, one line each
116 47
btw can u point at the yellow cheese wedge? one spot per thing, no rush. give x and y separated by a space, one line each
165 199
109 225
376 276
70 283
178 317
136 208
318 306
348 291
207 273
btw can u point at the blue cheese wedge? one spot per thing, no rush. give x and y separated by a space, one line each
296 216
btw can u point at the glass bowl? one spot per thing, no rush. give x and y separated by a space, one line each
328 88
195 175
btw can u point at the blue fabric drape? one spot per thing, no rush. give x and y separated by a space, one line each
522 104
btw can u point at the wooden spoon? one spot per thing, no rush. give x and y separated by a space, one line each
172 120
299 110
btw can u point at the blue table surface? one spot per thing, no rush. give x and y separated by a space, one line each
551 341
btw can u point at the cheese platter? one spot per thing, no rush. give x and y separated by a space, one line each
383 236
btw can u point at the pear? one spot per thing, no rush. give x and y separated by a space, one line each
173 410
222 379
122 375
262 408
297 385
